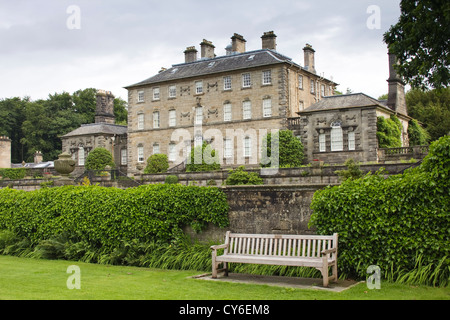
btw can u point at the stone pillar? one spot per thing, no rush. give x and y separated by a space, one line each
5 152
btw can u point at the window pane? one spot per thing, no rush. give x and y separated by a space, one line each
267 108
81 156
227 112
172 155
228 148
141 96
155 93
227 83
156 148
172 91
322 147
172 118
336 139
198 115
267 77
140 151
247 147
123 157
351 140
198 87
156 119
246 82
140 121
247 110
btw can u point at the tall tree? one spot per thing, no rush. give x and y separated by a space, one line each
12 115
420 40
432 109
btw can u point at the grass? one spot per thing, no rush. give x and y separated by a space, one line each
39 279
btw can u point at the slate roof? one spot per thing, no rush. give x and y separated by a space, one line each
353 100
97 128
232 62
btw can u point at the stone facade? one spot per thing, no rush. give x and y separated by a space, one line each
103 133
231 101
345 126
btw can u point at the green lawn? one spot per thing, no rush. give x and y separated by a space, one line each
35 279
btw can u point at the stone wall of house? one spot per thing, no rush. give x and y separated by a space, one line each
361 121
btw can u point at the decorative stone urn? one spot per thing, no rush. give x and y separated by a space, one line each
64 165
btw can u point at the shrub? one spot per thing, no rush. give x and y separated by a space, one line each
98 159
391 222
290 150
239 176
203 158
105 217
157 163
171 179
352 172
14 173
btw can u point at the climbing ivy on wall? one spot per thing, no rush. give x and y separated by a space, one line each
389 132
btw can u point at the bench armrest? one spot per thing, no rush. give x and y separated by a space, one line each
328 251
220 246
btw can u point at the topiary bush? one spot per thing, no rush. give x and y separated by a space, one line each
391 222
98 159
157 163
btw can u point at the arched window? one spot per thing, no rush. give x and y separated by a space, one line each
337 141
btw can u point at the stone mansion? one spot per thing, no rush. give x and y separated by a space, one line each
232 101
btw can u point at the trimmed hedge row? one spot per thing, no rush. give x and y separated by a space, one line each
106 217
392 221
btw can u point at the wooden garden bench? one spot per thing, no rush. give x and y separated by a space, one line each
319 252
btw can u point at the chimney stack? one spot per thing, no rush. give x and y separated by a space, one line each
190 54
238 43
269 40
104 112
207 49
38 157
308 54
396 88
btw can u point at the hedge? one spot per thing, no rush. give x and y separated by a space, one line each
106 217
390 222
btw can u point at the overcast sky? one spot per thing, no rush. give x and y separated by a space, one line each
45 48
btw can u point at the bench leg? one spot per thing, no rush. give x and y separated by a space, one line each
335 272
214 267
225 267
325 275
324 270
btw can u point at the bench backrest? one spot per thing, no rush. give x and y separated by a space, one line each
279 245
